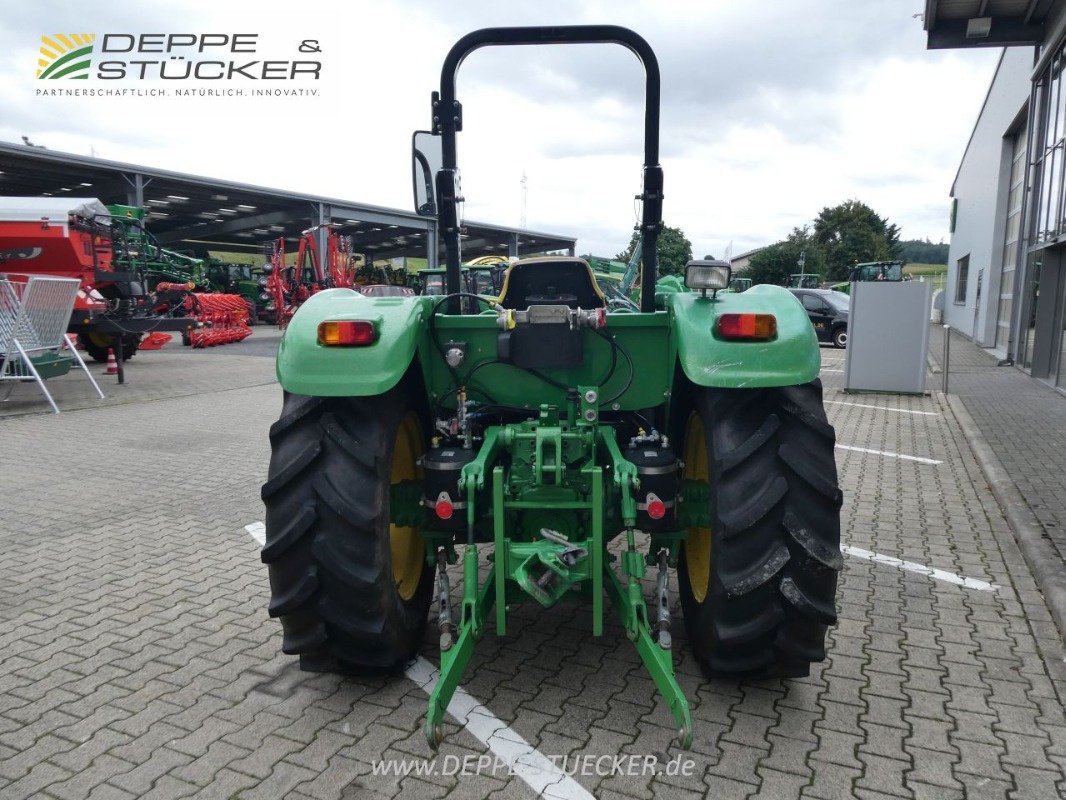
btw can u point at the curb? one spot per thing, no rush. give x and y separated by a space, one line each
1043 561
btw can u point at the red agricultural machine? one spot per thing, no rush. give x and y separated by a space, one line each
180 283
225 317
290 285
74 237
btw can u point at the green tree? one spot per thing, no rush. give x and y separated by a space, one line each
851 232
674 250
923 252
774 264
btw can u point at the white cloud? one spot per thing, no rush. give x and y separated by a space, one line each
771 111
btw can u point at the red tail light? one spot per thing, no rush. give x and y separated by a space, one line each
347 333
443 508
656 507
747 326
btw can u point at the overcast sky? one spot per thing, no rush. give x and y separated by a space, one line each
771 110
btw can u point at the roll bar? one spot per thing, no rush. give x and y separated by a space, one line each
448 120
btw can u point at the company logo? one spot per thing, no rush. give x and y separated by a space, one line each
65 55
178 65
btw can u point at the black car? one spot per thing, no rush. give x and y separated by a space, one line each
828 311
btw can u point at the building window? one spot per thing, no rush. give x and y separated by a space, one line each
962 277
1010 239
1048 152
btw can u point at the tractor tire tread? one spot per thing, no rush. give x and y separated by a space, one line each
359 576
298 594
762 502
750 629
744 451
800 464
817 549
793 404
299 412
327 535
342 439
351 512
297 527
290 471
307 640
762 571
775 533
808 606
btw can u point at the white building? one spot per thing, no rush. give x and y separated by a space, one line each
986 209
1007 263
740 262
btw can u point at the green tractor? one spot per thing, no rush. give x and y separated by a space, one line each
804 280
485 274
430 281
739 285
240 279
580 447
891 271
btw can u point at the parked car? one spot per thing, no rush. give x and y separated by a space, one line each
828 311
385 290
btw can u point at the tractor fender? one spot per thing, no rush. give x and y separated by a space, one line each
790 358
306 367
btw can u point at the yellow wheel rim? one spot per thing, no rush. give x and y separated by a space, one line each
408 548
100 340
698 544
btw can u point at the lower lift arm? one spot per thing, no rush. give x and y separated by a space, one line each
626 597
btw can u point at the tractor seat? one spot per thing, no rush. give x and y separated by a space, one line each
552 280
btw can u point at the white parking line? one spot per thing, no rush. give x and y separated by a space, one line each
258 531
824 369
881 408
890 454
541 774
910 566
524 760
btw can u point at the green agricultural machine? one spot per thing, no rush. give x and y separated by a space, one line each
891 271
739 285
240 279
137 250
430 282
804 280
557 448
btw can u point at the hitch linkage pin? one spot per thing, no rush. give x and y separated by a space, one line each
444 610
662 591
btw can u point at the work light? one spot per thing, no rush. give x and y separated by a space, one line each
704 274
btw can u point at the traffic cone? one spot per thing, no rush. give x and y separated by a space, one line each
112 365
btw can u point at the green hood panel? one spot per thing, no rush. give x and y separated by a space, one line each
306 367
707 360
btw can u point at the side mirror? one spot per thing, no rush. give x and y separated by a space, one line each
426 161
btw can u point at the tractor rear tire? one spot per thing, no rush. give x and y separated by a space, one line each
758 587
352 592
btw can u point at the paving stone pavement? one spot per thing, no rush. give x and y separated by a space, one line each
1023 420
173 371
137 658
